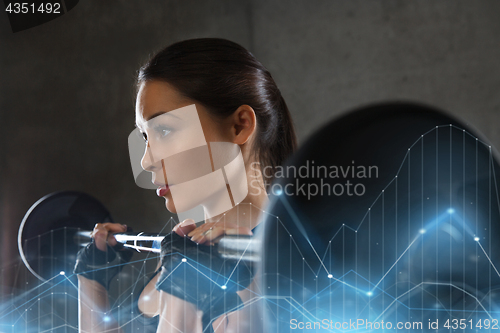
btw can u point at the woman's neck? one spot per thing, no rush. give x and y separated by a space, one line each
246 213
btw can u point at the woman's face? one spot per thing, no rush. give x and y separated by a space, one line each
175 138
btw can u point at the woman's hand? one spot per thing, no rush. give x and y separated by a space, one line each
197 273
103 258
103 234
209 233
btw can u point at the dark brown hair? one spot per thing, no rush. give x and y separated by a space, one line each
223 75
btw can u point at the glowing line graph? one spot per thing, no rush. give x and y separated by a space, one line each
451 213
431 225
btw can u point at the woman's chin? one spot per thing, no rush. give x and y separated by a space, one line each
185 206
170 205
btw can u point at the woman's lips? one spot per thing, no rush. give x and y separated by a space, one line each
161 191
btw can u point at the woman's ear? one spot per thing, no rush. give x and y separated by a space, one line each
243 124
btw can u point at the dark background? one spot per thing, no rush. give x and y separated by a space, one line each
67 95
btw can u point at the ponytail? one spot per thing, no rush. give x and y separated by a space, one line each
283 144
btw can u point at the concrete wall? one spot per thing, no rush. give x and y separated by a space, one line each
335 55
67 104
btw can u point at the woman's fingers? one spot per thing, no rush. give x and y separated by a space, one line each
210 233
208 236
103 234
185 227
202 228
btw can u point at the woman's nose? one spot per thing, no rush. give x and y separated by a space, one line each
147 161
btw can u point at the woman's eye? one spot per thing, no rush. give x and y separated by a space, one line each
163 131
145 136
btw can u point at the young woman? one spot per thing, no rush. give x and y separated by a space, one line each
238 102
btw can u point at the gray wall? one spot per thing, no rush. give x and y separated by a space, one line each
67 103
